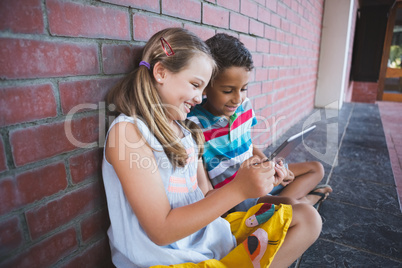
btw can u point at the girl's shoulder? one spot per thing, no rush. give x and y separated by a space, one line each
140 125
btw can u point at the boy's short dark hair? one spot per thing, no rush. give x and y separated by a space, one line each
228 51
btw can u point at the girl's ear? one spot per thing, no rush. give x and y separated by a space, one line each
159 72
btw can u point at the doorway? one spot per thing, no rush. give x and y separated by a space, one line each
390 80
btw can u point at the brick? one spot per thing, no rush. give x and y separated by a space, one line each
10 235
256 28
249 8
263 45
272 4
239 22
264 15
85 93
47 252
85 165
189 9
257 59
275 21
261 74
201 31
9 198
274 48
22 58
39 183
26 103
119 59
3 159
254 90
227 32
269 32
215 16
267 86
80 20
285 25
45 218
273 73
249 42
95 225
281 11
150 5
49 140
21 16
144 26
262 101
230 4
97 255
280 36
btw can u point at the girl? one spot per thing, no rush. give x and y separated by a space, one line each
158 214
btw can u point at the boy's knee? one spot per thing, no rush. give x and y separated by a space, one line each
318 168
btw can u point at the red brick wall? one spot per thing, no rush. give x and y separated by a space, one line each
60 56
364 92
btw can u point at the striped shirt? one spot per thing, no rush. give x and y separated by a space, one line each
227 141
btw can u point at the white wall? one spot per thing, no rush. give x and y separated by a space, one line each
333 63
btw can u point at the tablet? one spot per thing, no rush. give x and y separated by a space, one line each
291 143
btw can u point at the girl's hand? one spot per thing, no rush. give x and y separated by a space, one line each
255 178
288 179
281 172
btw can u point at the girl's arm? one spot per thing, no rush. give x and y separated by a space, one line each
137 171
203 179
281 171
259 153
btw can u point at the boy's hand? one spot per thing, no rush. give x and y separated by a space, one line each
288 179
281 172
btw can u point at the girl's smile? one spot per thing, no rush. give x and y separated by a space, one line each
181 91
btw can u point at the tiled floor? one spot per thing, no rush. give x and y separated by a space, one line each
362 220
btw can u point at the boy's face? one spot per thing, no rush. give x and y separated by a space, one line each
227 92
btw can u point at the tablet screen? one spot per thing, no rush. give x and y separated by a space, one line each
291 143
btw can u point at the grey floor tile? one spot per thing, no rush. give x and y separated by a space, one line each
363 193
360 153
328 254
365 170
364 229
367 140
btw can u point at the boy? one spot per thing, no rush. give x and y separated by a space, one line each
226 118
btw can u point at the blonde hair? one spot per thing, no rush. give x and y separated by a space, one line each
137 92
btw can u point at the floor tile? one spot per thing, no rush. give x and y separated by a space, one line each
365 170
358 153
364 193
364 229
328 254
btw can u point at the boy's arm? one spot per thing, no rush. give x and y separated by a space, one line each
203 178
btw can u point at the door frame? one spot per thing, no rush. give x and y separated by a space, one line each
384 71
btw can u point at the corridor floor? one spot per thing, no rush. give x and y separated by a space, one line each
362 219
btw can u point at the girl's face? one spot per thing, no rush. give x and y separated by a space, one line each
183 90
228 91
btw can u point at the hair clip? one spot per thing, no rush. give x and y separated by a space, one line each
166 47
